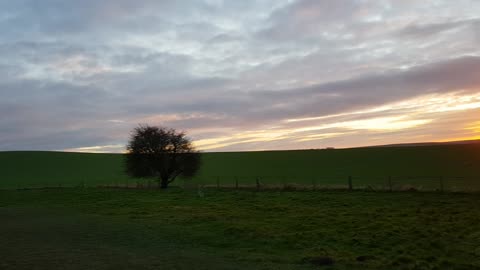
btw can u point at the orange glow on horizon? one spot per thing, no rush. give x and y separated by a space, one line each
474 128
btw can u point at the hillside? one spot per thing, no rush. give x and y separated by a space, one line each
31 169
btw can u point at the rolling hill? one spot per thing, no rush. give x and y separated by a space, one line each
328 166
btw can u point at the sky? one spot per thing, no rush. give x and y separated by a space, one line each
238 75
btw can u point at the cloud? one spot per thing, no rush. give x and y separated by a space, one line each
347 95
82 75
422 30
98 149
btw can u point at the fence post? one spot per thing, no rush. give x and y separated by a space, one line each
236 182
441 184
350 184
218 182
390 188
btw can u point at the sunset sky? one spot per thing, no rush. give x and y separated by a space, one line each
238 75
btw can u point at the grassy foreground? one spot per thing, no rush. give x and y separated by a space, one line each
414 165
185 229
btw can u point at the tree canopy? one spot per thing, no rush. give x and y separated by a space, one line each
161 153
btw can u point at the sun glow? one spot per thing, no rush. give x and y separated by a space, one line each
375 124
316 137
243 137
475 127
304 134
98 149
384 123
407 114
434 103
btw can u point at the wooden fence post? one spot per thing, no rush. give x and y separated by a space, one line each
350 184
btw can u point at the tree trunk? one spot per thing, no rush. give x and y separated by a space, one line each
163 183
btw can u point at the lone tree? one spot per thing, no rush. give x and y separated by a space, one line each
161 153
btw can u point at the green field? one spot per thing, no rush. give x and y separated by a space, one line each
456 167
182 229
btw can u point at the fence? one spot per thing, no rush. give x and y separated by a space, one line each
373 183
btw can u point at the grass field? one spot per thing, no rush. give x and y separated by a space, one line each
420 166
179 229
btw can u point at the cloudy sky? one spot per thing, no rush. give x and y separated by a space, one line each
238 75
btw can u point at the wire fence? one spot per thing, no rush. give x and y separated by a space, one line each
371 183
